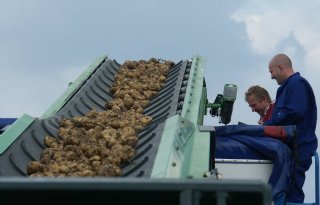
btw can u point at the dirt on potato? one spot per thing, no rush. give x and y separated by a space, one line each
97 143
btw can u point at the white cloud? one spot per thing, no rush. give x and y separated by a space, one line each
259 28
290 27
269 23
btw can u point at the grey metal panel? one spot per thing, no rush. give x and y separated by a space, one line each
135 191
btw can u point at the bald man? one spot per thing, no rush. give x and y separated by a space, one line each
295 104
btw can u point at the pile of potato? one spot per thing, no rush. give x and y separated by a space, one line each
97 143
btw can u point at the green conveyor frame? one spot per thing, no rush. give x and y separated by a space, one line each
184 150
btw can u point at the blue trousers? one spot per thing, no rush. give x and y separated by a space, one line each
250 142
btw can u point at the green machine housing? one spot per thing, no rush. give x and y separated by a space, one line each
174 152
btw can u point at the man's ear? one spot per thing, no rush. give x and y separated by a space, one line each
265 98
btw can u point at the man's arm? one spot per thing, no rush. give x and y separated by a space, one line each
293 105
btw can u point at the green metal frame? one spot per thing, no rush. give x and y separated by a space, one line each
14 131
184 150
72 87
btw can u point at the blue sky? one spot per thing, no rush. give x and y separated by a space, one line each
44 44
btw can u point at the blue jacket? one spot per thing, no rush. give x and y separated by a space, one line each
296 105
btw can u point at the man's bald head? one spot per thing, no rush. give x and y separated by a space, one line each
280 68
282 60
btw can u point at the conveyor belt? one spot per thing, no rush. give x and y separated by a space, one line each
93 94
